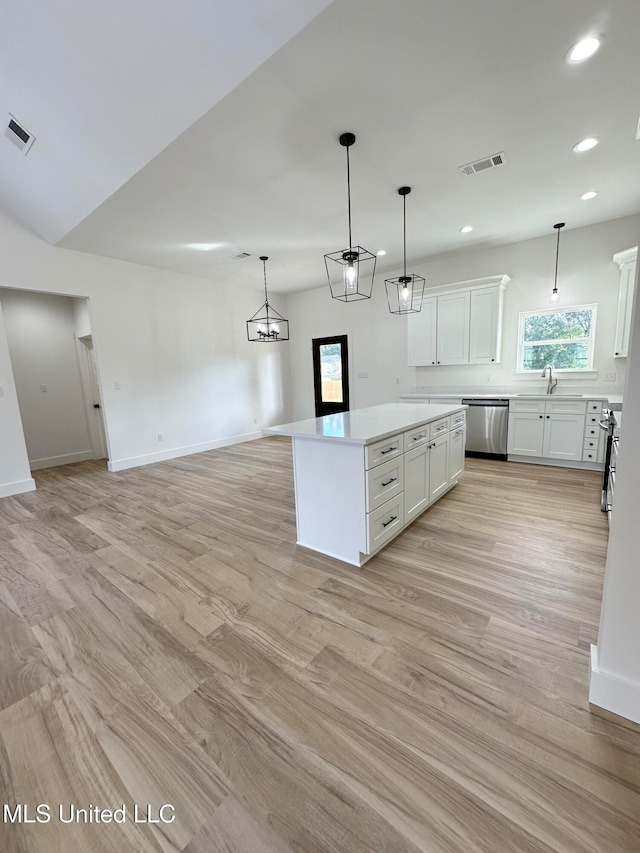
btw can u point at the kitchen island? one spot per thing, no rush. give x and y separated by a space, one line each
362 476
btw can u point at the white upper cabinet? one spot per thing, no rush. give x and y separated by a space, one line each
461 324
452 340
627 262
421 333
485 330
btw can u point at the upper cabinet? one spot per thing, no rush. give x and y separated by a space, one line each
460 324
627 262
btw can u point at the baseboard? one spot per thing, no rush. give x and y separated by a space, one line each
176 452
65 459
18 488
556 463
614 694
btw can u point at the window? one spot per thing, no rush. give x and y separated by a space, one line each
561 337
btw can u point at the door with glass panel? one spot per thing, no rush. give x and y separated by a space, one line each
331 375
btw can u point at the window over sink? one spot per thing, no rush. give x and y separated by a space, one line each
561 337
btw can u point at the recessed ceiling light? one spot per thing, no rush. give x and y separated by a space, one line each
587 196
585 144
466 229
584 49
381 252
204 247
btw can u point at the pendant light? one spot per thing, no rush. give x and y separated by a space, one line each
350 271
554 293
404 294
266 325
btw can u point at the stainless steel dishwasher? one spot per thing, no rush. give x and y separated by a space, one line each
487 422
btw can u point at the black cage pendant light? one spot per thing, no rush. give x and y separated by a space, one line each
404 294
554 293
267 325
350 271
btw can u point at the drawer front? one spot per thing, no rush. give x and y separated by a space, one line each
565 407
383 523
382 451
592 431
595 407
525 405
440 427
415 437
458 420
591 444
384 481
590 455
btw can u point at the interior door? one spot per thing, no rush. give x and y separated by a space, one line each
331 375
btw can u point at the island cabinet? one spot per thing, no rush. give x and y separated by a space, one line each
361 477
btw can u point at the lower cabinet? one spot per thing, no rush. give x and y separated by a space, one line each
416 482
456 453
430 469
438 467
559 430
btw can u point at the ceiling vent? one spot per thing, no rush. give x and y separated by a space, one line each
241 256
18 134
484 164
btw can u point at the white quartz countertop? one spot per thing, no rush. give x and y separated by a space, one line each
364 426
499 395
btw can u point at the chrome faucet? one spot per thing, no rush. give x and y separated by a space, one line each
551 384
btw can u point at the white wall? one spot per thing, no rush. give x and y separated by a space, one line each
378 340
615 673
40 332
15 475
175 344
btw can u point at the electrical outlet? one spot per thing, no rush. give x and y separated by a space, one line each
398 381
1 391
488 378
610 377
160 437
116 386
44 388
255 420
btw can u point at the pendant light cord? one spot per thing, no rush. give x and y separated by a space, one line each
555 281
349 198
404 233
266 298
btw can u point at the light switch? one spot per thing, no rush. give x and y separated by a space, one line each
1 391
363 374
116 386
44 388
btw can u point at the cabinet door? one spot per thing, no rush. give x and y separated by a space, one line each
525 435
452 345
438 467
416 482
456 454
485 325
625 304
563 436
421 334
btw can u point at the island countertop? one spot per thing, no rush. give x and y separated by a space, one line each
365 426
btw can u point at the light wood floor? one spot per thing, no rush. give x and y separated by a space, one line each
163 640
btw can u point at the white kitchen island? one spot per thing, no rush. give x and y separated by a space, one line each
362 476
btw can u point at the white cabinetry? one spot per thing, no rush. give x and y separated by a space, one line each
452 341
555 430
416 481
485 330
458 325
627 262
438 467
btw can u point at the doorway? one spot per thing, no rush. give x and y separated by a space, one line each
91 391
331 374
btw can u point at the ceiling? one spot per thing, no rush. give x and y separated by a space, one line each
251 163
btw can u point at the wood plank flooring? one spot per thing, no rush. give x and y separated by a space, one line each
164 640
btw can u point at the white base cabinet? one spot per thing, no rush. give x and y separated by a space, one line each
564 431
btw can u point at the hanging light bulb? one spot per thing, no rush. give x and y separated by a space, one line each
554 293
266 324
404 294
350 271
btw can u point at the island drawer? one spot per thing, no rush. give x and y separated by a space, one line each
458 420
382 451
383 482
415 437
383 523
439 427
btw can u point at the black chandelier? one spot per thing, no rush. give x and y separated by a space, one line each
404 294
350 271
267 325
554 293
